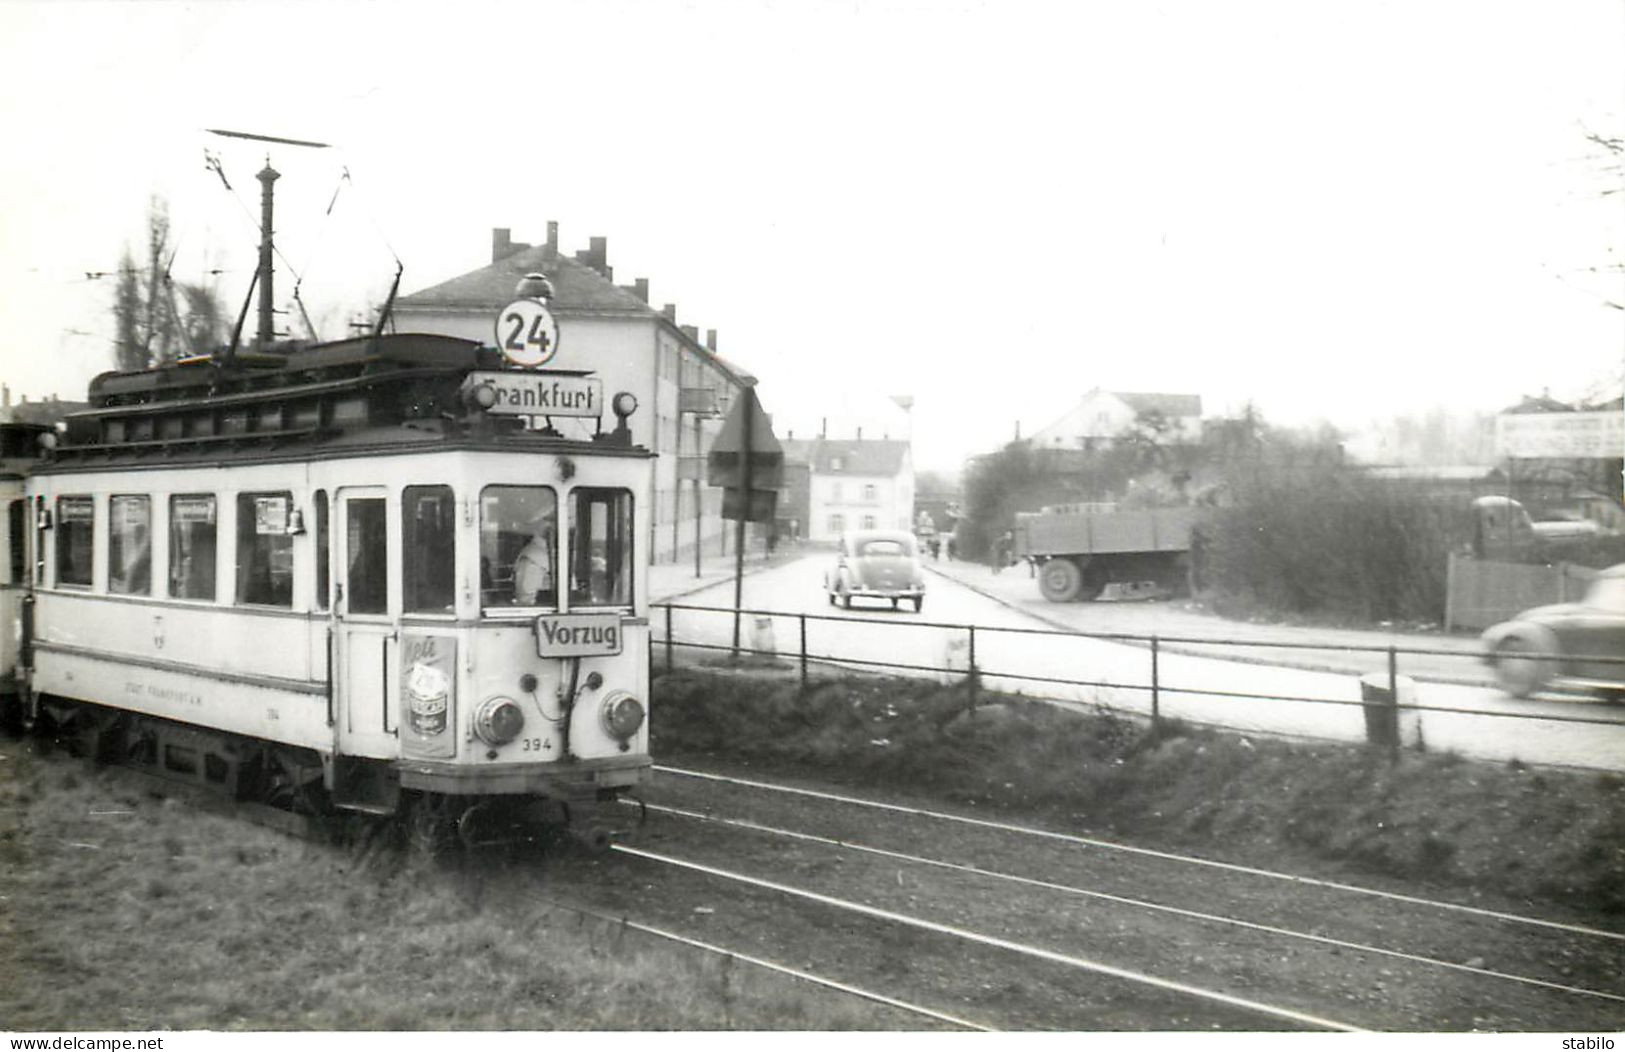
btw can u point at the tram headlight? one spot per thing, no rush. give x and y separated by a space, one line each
621 715
498 721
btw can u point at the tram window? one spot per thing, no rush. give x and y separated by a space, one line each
75 533
264 549
366 543
518 525
600 547
16 541
323 544
428 521
129 545
192 525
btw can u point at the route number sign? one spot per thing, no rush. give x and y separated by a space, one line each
527 333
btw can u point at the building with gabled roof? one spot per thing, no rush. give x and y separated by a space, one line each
851 484
682 385
1102 417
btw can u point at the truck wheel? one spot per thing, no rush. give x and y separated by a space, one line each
1060 580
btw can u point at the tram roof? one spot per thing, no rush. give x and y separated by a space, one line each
330 399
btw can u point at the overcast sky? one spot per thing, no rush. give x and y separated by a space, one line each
1335 210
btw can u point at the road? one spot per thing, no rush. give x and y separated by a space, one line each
1474 720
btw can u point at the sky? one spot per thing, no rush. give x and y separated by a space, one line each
1333 211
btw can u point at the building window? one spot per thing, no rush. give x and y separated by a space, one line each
837 523
75 539
192 546
428 546
835 463
869 491
868 522
264 549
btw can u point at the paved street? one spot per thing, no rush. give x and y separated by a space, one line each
1118 673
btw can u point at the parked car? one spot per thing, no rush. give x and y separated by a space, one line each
877 564
1566 644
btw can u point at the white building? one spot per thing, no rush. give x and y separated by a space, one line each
682 386
1104 416
855 484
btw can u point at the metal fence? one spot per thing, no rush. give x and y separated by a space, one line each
973 657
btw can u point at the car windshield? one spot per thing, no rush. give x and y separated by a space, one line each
1608 593
893 549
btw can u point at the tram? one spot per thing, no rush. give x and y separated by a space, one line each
19 446
370 575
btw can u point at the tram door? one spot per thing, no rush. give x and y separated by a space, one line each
364 633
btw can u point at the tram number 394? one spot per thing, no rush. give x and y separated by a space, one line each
534 744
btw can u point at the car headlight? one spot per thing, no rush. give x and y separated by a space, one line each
498 721
621 716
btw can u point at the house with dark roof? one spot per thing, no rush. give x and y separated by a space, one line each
683 386
1102 417
851 484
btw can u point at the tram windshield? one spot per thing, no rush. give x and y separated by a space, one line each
518 546
600 547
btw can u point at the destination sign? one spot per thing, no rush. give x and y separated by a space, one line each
577 635
536 394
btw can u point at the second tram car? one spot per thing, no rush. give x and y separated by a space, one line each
345 576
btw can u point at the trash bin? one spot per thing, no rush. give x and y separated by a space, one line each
1381 706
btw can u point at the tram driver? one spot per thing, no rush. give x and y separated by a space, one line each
533 568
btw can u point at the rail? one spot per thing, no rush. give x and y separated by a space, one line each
1384 691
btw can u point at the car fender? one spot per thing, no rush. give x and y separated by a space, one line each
1538 636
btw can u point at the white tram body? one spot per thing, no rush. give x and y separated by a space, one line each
18 448
339 565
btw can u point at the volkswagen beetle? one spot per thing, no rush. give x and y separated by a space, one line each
877 564
1567 644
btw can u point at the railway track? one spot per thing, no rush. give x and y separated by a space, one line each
1151 939
964 922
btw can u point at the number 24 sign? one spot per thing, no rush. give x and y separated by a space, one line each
527 333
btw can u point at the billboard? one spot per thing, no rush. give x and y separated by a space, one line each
1560 435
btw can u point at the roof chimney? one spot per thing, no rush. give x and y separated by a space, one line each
501 243
860 434
669 312
691 331
640 288
552 239
823 426
598 254
711 340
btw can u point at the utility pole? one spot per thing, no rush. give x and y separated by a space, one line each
267 176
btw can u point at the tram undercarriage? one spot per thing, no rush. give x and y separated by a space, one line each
295 781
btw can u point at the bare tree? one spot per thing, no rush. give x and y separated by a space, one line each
151 327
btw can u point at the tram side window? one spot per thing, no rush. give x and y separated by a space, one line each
192 546
518 527
264 549
129 545
428 537
323 548
600 547
75 533
366 542
16 542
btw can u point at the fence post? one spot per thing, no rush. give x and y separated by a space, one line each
803 619
668 637
971 673
1156 715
